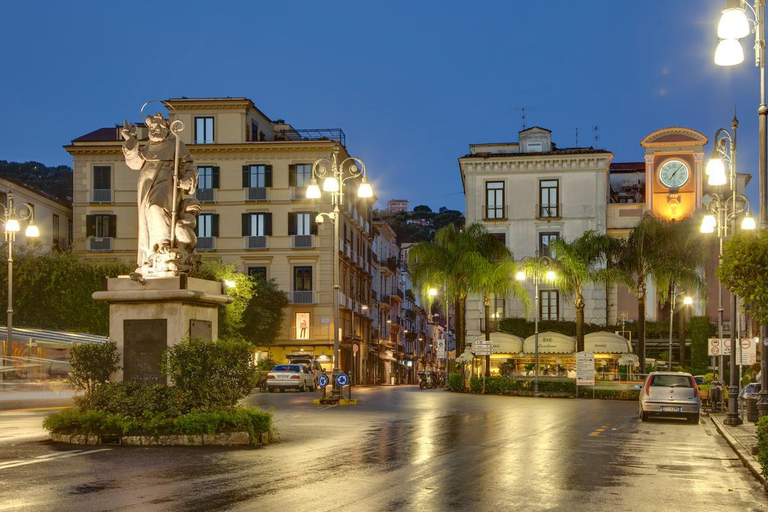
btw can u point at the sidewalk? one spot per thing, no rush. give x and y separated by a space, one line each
742 439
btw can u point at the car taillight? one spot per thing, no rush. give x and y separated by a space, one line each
295 377
695 387
648 387
270 377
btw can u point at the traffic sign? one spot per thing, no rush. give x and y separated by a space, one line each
585 369
483 348
322 381
342 380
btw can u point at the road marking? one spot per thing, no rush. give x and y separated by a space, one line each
598 431
74 453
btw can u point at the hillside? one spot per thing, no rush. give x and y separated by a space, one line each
54 181
421 224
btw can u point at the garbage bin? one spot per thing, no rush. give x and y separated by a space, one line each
752 413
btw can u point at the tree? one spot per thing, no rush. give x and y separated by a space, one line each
744 271
264 313
422 208
579 263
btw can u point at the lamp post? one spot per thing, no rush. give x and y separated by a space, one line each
687 301
11 215
534 267
724 209
334 175
733 26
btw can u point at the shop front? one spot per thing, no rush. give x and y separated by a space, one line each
557 355
614 359
506 348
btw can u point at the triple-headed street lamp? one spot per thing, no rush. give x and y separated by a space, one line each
537 267
733 26
334 175
11 215
723 209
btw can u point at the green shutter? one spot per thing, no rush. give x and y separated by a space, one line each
267 176
246 176
246 224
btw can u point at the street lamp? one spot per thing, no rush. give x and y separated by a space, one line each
723 209
733 26
687 301
11 215
535 267
334 174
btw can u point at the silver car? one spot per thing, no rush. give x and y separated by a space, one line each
285 376
672 394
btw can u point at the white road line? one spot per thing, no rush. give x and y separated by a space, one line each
75 453
56 454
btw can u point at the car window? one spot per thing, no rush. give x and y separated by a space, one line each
286 368
671 381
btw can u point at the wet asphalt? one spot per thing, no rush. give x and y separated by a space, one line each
403 449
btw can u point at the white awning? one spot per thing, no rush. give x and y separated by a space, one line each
466 357
386 357
503 343
550 343
629 360
604 342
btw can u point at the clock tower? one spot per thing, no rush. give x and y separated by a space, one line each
673 172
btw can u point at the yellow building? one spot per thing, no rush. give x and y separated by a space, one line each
253 173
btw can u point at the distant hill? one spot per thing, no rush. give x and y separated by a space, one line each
54 181
421 224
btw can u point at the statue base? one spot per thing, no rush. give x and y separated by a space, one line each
148 315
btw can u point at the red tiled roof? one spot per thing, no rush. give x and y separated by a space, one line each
627 166
102 134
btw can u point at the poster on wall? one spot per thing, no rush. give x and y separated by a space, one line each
302 326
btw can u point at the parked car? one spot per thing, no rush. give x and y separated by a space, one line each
673 394
285 376
310 363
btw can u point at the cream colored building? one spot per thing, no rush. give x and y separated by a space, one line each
253 173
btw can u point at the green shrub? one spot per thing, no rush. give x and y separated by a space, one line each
762 443
456 382
213 375
136 400
699 329
240 419
609 394
564 386
92 364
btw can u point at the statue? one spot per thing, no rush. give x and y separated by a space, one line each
167 219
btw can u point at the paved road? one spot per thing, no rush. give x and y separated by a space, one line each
404 449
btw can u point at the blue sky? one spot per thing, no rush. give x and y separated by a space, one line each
411 83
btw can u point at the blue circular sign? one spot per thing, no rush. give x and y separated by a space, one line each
342 380
323 380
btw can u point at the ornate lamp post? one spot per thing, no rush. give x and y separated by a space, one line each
536 267
334 175
11 215
723 209
687 301
733 26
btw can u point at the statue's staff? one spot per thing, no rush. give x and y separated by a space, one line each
176 127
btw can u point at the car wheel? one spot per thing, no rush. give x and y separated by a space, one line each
643 416
302 388
694 418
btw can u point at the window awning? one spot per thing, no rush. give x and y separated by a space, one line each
550 343
604 342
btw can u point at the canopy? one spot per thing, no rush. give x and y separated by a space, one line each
604 342
550 343
629 359
466 357
503 343
386 357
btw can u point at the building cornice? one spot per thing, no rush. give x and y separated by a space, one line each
115 148
592 162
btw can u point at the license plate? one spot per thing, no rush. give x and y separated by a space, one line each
671 409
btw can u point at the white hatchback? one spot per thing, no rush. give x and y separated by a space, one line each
672 394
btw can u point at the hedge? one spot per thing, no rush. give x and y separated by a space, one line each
504 385
762 443
456 382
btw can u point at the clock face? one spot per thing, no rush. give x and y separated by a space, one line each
674 174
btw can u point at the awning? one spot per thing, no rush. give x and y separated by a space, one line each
604 342
385 357
50 339
466 357
503 343
629 360
550 343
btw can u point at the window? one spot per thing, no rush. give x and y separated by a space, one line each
258 272
69 233
254 131
102 184
545 239
4 198
502 237
549 197
302 279
533 147
299 175
100 230
548 305
55 231
207 182
256 179
203 130
494 200
301 227
207 231
257 227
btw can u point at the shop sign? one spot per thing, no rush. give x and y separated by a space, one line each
585 369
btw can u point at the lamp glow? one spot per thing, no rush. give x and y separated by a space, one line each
708 224
229 284
733 23
313 190
330 185
33 232
729 53
715 165
748 223
687 301
550 275
365 189
717 177
432 292
13 226
520 276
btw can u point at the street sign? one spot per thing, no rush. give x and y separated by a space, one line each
441 349
342 380
585 369
748 352
714 348
322 381
483 348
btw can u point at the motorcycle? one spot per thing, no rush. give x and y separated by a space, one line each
428 380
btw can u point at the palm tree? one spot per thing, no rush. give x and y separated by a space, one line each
580 263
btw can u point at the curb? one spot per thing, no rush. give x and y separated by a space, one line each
751 464
343 401
220 439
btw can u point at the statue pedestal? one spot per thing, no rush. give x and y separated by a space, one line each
148 316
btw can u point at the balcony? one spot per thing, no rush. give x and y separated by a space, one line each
101 195
301 297
205 195
495 213
206 243
549 211
256 242
298 193
100 244
302 241
256 194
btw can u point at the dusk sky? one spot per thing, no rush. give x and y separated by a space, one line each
412 84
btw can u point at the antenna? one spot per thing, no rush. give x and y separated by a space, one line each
596 133
522 114
577 138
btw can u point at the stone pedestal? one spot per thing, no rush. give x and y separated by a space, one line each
148 316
